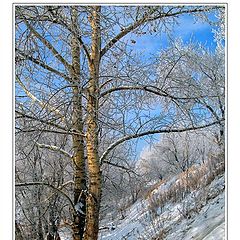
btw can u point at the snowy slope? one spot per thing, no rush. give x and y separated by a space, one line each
203 222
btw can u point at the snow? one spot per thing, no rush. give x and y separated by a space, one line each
65 233
217 234
206 224
78 208
128 226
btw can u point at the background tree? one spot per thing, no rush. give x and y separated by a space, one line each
176 152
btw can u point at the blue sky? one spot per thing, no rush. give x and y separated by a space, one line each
189 31
198 31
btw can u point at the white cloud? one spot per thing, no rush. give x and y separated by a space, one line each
188 25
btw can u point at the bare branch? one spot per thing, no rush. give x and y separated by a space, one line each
40 103
49 46
148 17
55 148
23 115
47 130
145 88
43 65
138 135
119 166
152 89
48 185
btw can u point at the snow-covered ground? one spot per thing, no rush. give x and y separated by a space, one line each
204 221
199 216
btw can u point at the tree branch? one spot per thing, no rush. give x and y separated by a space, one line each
23 115
151 89
118 166
138 135
40 103
148 18
55 148
49 131
123 33
145 88
43 65
48 185
49 46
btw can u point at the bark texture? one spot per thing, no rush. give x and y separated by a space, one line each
94 191
78 141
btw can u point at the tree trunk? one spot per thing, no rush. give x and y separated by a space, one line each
78 141
79 172
40 227
94 193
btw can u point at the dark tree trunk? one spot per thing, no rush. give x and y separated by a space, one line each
78 141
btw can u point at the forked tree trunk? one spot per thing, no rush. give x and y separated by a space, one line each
94 191
78 141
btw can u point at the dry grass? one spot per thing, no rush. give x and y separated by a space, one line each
196 181
195 177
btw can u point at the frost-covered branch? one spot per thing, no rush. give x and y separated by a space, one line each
55 148
149 17
118 166
42 64
47 185
48 45
152 89
23 115
39 102
138 135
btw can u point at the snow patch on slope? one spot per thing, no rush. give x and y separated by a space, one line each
206 224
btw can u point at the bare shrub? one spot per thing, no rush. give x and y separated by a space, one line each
155 228
188 181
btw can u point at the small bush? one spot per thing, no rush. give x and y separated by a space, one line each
192 179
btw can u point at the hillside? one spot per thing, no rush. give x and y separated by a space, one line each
187 206
176 210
